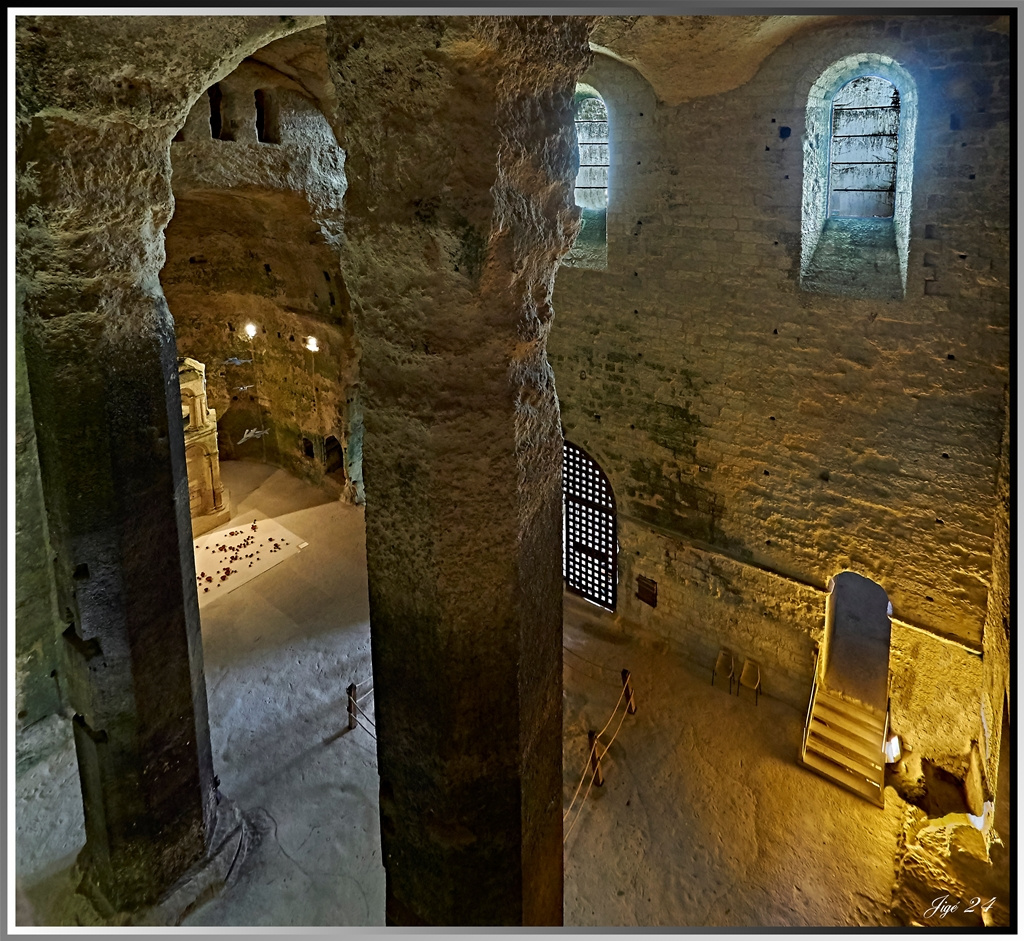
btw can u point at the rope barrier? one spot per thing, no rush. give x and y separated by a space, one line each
365 716
353 703
612 716
582 803
598 751
579 672
615 736
591 662
593 747
359 683
583 776
366 730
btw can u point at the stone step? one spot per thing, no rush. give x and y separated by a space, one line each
870 754
847 722
853 761
852 782
863 716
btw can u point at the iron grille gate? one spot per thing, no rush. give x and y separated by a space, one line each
589 544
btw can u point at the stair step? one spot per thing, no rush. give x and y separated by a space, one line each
853 721
870 753
853 762
860 713
852 782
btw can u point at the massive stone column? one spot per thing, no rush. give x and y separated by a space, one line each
103 372
99 99
36 634
460 159
97 104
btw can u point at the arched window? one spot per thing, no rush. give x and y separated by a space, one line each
334 457
858 172
591 190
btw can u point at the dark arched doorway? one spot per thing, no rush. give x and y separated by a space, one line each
334 458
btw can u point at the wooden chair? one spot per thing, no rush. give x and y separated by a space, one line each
750 677
724 664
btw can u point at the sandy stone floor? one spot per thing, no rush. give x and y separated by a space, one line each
705 818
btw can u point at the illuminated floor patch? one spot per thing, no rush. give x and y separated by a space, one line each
231 557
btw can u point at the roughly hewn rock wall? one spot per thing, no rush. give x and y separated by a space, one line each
35 605
459 151
758 436
254 240
81 72
99 100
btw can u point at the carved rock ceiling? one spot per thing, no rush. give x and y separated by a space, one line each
686 57
683 57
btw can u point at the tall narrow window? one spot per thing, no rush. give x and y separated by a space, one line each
215 97
261 115
865 141
591 190
592 139
267 129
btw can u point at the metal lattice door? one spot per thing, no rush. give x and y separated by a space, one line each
589 545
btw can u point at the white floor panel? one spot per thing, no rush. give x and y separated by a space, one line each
230 557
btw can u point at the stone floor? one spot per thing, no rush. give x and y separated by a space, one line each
704 819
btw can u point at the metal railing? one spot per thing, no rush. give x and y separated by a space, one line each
810 704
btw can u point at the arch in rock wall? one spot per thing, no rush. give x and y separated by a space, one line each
590 537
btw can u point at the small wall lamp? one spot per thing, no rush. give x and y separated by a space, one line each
250 330
311 344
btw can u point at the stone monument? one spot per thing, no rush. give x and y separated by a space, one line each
206 498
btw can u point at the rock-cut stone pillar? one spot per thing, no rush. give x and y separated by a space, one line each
102 368
460 162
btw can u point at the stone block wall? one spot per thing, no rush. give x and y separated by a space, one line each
998 631
761 438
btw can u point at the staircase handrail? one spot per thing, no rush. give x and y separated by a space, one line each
885 728
810 704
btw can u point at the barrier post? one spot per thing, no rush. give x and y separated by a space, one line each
351 705
595 762
630 702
